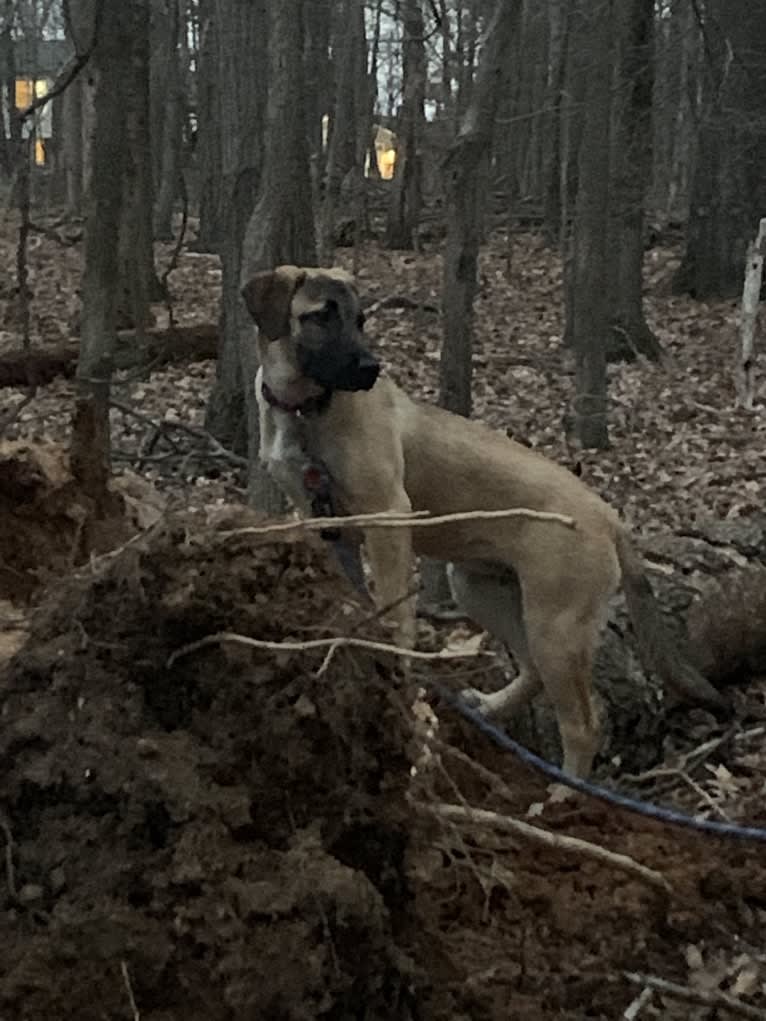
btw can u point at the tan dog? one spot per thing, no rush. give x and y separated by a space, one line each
540 587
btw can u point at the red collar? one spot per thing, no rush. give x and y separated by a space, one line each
312 405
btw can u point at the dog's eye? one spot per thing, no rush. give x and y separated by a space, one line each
323 315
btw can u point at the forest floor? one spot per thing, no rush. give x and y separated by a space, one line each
232 834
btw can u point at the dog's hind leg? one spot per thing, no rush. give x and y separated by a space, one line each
493 601
562 644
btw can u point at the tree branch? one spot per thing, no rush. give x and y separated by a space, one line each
69 73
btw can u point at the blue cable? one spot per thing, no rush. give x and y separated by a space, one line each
645 808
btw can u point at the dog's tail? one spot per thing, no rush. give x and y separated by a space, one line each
658 649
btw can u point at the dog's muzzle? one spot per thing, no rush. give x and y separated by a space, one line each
344 368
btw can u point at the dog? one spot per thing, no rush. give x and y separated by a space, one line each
540 587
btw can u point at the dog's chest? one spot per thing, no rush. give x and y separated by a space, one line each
284 451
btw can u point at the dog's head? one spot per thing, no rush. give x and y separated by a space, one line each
310 324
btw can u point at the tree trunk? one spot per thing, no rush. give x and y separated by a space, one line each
319 88
242 38
630 177
571 125
111 68
464 213
729 189
281 228
209 133
558 47
590 318
406 190
167 145
72 146
139 281
341 153
462 168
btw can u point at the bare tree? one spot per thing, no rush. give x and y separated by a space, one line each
281 228
167 111
111 69
318 77
463 207
73 149
729 189
676 110
630 177
265 191
139 281
240 30
209 120
590 314
341 152
406 192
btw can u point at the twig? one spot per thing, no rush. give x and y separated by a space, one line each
129 991
688 761
319 643
549 839
703 794
70 72
166 425
396 519
707 998
634 1009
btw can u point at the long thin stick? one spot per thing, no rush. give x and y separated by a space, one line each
319 643
129 990
455 813
708 998
386 519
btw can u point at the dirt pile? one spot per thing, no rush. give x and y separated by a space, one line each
48 524
223 838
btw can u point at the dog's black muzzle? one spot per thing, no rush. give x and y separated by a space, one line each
341 366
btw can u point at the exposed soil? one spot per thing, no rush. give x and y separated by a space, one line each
518 931
231 837
225 836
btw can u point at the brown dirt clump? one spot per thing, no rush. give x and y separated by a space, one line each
48 524
220 839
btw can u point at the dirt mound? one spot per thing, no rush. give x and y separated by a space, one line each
48 524
223 838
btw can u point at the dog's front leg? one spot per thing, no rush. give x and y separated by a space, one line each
389 551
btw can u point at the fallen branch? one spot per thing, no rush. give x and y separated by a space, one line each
399 301
67 241
706 998
331 644
395 519
558 841
180 343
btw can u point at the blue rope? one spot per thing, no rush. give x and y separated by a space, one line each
645 808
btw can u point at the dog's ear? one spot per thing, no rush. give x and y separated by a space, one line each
268 297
